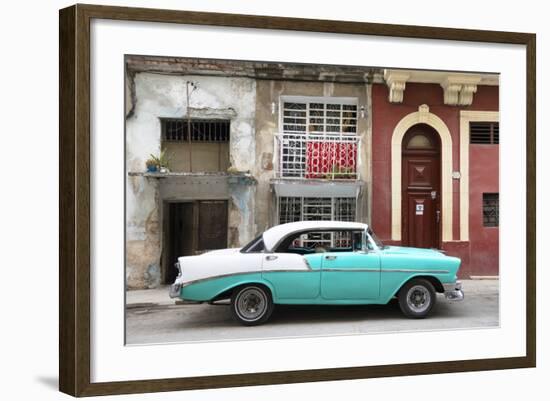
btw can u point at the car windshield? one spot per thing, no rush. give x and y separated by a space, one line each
376 240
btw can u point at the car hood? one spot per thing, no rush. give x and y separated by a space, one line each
404 250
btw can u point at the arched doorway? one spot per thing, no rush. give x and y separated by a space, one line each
421 187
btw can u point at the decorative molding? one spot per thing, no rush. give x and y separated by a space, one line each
451 93
459 89
396 82
466 96
424 111
465 118
422 116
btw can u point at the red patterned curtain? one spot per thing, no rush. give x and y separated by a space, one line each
326 159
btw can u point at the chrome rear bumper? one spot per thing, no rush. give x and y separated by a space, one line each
175 290
453 291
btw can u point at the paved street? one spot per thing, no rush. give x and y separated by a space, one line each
152 317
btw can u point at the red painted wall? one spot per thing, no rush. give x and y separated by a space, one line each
385 116
483 240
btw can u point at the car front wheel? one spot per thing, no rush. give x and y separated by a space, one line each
417 298
251 305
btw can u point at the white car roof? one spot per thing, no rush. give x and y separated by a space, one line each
273 235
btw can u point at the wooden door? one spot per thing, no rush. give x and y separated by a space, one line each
421 176
180 236
212 225
194 227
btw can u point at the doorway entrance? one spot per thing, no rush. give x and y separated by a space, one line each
421 187
192 228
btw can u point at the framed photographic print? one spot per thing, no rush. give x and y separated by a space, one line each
250 200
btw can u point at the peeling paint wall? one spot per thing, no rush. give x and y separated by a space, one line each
247 103
149 97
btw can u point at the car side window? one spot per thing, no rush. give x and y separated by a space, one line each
322 241
254 246
257 247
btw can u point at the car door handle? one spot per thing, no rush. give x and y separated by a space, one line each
330 257
271 257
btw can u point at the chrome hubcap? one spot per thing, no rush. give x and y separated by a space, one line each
418 298
251 304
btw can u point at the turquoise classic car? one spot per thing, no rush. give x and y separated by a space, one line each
321 263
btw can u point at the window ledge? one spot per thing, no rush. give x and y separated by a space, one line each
233 178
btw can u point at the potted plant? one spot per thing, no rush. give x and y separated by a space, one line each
151 165
161 161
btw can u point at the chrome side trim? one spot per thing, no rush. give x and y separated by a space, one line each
309 270
290 271
414 271
352 270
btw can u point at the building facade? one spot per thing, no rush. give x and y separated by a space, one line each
435 163
253 144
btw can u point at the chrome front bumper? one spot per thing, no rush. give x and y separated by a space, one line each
453 291
175 290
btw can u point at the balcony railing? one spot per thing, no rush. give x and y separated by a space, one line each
325 156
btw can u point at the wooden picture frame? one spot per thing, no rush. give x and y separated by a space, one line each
74 203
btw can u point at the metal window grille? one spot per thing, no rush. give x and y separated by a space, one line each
490 210
303 209
195 130
484 133
319 118
319 140
290 209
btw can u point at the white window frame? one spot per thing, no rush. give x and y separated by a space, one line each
351 136
353 101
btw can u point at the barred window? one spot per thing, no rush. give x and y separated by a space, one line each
490 210
319 117
177 130
484 133
319 138
305 209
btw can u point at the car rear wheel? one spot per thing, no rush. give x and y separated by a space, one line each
417 298
252 305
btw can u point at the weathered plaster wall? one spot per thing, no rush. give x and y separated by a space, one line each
267 124
155 96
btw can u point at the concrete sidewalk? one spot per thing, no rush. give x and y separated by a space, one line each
159 296
154 296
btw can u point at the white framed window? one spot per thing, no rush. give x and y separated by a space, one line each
318 137
318 115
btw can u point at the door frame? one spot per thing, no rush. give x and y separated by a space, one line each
435 153
165 245
424 116
165 229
